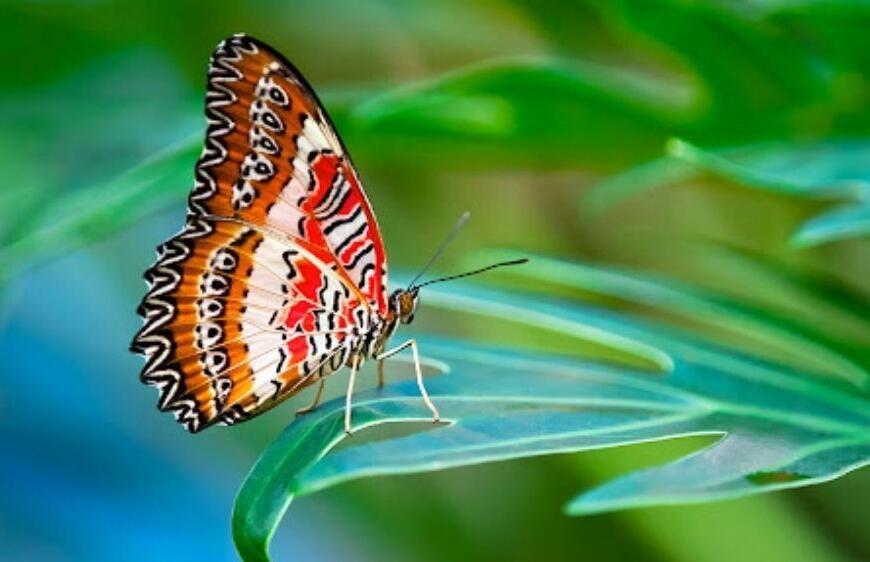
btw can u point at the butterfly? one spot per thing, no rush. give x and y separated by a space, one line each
279 275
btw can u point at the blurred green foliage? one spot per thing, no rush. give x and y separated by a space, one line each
556 124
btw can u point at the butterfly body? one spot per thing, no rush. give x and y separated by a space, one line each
279 275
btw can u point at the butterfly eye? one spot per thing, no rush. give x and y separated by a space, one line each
406 304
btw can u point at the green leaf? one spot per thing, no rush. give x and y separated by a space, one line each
539 111
628 183
835 29
782 428
743 68
747 460
829 171
780 337
826 170
88 215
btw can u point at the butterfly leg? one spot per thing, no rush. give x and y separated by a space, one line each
315 402
348 402
436 417
382 380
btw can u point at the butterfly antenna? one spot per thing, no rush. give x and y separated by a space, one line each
450 236
474 272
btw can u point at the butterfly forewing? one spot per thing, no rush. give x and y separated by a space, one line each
280 258
272 157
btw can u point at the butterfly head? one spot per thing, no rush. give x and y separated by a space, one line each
403 303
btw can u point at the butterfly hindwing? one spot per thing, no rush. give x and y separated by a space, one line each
237 320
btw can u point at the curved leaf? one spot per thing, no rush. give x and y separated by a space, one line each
781 337
833 170
500 404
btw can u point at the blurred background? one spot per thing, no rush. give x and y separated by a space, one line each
555 123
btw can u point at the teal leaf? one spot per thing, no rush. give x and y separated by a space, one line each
826 170
781 337
780 427
741 463
845 222
832 171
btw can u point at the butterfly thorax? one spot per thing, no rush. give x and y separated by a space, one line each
401 307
